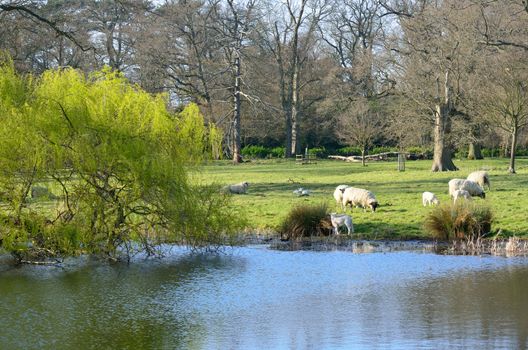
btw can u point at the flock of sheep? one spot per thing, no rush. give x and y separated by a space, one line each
345 195
473 186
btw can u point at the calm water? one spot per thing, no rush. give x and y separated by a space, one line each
255 298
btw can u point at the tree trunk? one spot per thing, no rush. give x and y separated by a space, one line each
288 153
442 160
511 169
296 142
237 158
363 151
474 151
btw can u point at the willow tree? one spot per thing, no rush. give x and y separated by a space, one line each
119 161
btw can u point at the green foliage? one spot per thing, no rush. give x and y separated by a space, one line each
461 153
348 151
464 219
383 149
278 152
305 221
254 151
118 159
214 142
421 152
319 152
490 152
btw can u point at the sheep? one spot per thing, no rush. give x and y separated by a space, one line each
341 220
359 197
481 177
429 198
461 194
338 194
302 192
239 188
461 184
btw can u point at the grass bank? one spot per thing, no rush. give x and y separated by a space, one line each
401 214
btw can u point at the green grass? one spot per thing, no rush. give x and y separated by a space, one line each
401 214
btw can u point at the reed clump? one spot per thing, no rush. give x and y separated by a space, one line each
305 221
460 221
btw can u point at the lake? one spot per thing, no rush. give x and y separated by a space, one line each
259 298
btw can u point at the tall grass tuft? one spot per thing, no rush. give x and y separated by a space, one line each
305 221
463 220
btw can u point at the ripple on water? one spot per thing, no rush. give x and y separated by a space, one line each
254 297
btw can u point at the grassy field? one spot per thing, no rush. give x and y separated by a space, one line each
401 213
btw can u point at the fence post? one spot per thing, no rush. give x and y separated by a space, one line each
401 161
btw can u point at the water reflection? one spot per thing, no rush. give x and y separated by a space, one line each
257 298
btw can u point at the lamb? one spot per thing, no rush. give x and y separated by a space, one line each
481 177
338 194
239 188
339 220
302 192
429 198
461 184
359 197
461 194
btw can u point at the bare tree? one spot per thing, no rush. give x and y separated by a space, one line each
437 57
506 103
234 25
290 38
359 125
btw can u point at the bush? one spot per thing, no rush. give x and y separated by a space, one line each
305 221
319 152
383 149
278 152
348 151
421 152
458 221
255 151
461 153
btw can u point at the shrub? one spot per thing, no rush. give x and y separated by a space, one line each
461 153
348 151
305 221
422 152
278 152
319 152
459 221
491 152
383 149
255 151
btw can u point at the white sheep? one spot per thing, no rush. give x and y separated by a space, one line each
302 192
461 194
339 220
338 194
429 198
239 188
481 177
461 184
360 198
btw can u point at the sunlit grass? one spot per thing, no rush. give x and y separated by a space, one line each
401 215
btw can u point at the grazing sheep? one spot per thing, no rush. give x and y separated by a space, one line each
429 198
461 184
338 194
461 194
359 197
481 177
239 188
339 220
